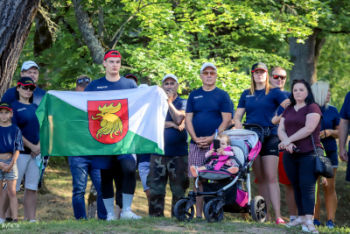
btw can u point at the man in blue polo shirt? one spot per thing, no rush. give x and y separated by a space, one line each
173 164
29 69
109 163
343 133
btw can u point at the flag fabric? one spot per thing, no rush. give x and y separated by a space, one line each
116 122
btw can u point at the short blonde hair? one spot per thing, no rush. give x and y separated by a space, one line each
225 137
320 91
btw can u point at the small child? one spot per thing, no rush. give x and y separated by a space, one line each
10 145
224 150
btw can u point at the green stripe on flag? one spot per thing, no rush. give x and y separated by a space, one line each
64 131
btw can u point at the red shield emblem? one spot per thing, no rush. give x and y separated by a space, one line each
108 120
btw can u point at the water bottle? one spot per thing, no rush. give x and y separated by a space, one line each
216 133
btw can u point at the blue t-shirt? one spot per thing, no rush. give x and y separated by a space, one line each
261 108
103 84
10 95
330 120
280 108
175 141
345 110
233 109
207 108
25 118
10 139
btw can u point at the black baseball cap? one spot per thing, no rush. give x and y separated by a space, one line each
6 105
130 75
25 81
259 66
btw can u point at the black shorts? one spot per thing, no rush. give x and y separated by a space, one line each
270 146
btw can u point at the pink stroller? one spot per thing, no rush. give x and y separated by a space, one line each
223 191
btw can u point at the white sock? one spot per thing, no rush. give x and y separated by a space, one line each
127 200
2 220
292 217
109 204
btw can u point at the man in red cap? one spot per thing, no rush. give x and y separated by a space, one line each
110 165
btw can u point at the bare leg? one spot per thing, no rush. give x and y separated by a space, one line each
330 195
5 201
11 190
199 200
148 195
118 211
292 206
30 202
262 187
270 165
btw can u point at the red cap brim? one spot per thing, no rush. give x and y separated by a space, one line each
4 107
259 68
111 55
25 84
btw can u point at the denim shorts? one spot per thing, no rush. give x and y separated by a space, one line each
143 171
12 175
333 156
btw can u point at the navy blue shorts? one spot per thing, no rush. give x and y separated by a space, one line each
106 161
333 156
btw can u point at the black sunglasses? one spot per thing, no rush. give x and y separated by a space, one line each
299 81
277 77
85 79
28 87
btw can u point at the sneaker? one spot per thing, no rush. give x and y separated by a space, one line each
280 221
15 221
330 224
8 219
127 214
2 220
111 216
317 223
32 221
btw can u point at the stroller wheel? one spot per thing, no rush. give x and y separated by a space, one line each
180 211
211 213
258 209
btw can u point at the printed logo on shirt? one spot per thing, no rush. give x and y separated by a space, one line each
250 95
21 109
102 87
200 96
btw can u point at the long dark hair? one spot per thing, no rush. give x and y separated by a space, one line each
310 97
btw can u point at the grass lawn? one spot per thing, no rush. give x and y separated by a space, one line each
55 213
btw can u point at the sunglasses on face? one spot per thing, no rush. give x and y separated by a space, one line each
85 79
209 72
29 87
276 77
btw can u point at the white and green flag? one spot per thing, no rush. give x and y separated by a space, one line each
102 123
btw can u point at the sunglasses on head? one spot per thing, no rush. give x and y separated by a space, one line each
277 77
85 79
209 72
28 87
299 81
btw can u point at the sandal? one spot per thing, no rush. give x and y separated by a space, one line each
307 225
280 221
295 223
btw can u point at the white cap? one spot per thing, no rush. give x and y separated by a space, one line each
205 65
170 76
28 64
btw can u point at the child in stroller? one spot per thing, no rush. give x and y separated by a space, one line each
221 159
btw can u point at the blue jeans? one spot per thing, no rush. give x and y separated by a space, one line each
80 167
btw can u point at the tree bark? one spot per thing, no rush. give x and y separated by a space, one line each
305 57
16 18
88 33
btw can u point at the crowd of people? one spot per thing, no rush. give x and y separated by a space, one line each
292 122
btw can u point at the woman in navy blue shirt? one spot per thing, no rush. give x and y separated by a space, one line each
25 118
260 103
328 134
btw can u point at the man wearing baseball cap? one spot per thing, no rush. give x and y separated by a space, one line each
29 69
208 108
173 164
109 164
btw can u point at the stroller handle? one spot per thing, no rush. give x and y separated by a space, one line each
251 125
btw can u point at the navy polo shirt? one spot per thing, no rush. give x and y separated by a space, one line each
10 95
261 108
102 84
330 120
175 141
25 118
207 107
280 108
10 139
345 110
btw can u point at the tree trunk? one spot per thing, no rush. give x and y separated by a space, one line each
305 57
88 33
16 18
